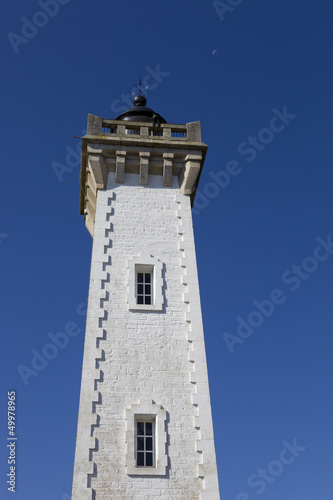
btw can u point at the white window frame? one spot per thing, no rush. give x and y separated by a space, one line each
145 419
144 269
149 412
145 264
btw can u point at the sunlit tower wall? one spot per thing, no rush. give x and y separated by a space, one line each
144 427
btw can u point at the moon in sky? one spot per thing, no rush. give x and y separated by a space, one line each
215 52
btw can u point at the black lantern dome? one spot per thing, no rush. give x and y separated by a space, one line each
140 112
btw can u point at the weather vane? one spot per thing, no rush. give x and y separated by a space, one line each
139 87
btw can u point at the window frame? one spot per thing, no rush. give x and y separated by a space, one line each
149 412
145 419
146 264
143 269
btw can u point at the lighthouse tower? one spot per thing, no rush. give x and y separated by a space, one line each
144 427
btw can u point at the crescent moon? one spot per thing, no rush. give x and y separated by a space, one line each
214 52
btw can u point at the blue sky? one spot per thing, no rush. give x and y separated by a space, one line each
258 75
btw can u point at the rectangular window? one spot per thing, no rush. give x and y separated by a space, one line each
146 438
144 291
145 443
145 284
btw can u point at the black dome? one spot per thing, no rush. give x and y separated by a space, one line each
140 112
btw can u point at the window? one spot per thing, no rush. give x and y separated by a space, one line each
146 439
145 443
145 283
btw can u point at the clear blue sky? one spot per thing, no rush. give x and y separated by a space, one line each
259 78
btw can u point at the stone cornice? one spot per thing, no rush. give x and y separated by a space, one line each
139 148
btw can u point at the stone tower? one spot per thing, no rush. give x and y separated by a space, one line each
144 427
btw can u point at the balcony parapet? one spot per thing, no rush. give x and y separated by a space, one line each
109 129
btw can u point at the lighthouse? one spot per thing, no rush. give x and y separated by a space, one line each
144 426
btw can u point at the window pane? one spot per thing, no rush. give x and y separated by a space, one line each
147 300
141 443
149 444
149 459
147 289
147 277
149 428
140 299
140 428
140 277
140 289
140 459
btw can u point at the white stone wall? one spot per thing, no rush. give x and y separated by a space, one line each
136 356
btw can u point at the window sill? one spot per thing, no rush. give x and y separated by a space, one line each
146 471
145 307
